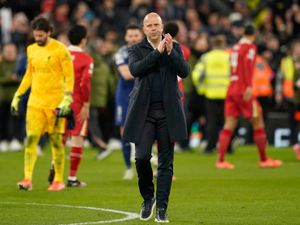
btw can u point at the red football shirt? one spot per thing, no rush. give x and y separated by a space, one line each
242 62
185 51
186 55
83 68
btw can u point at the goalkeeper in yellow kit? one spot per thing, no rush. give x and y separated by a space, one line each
50 76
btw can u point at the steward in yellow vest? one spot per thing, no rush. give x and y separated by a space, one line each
285 80
211 78
287 90
211 74
287 69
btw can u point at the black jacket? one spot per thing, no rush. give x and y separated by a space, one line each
142 61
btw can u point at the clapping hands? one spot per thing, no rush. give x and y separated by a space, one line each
166 44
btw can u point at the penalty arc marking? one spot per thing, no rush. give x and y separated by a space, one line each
128 215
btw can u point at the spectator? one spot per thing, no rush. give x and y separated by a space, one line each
102 92
19 30
11 136
194 95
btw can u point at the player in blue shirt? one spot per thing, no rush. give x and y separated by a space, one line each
133 35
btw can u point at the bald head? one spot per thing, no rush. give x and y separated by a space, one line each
151 16
153 27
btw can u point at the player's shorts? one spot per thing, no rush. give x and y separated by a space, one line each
236 106
120 112
40 121
81 128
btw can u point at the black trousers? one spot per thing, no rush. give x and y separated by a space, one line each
155 129
215 122
10 127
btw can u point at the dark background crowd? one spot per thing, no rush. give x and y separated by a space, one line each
278 23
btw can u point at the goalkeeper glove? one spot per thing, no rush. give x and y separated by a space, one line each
14 107
64 107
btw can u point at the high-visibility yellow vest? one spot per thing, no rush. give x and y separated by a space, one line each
197 77
287 69
211 74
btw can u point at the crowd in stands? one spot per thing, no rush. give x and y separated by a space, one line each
278 23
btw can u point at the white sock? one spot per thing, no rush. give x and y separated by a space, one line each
72 178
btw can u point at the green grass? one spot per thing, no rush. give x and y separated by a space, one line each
200 195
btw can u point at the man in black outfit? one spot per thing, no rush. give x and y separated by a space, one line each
155 112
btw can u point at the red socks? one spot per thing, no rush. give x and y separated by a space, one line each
75 158
260 139
224 141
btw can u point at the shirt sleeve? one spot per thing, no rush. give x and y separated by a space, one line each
139 66
86 80
120 58
67 69
179 62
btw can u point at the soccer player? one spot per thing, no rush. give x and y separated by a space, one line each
50 75
240 100
83 67
133 35
296 83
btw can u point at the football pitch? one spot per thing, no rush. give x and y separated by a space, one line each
200 195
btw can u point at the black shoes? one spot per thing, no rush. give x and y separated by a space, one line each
147 212
75 183
147 209
161 216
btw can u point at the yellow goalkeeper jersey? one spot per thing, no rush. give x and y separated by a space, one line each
49 73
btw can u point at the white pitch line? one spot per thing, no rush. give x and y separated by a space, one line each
129 215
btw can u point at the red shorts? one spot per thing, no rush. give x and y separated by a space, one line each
81 128
236 106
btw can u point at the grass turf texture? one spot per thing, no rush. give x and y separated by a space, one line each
200 195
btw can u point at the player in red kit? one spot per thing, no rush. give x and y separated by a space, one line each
175 29
240 101
83 66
